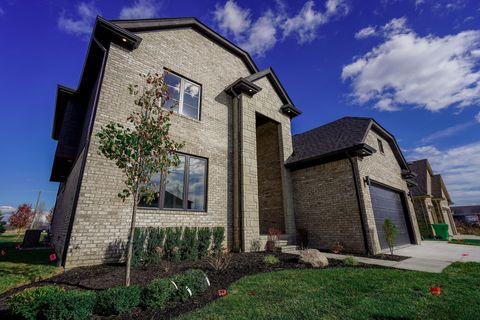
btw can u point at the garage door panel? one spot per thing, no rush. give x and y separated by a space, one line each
388 203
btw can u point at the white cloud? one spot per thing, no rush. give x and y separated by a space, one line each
307 21
407 69
260 35
232 19
83 24
459 167
7 211
140 9
365 32
447 132
477 117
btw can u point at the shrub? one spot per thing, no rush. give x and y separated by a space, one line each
271 259
273 237
189 248
53 303
350 261
30 302
139 237
154 251
337 247
390 233
172 243
118 300
218 237
157 293
189 283
71 305
220 261
204 241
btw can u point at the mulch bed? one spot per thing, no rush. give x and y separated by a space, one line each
381 256
106 276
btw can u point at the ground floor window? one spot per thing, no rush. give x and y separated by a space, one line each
183 187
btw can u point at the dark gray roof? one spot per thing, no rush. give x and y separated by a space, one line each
420 167
334 136
465 210
437 186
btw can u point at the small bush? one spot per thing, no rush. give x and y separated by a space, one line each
218 237
154 251
189 248
71 305
118 300
172 243
189 283
270 259
204 241
138 250
337 247
30 302
350 261
157 293
390 230
220 261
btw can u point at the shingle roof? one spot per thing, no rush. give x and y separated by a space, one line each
420 168
334 136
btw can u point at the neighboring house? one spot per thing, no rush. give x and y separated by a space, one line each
349 176
470 214
235 122
431 199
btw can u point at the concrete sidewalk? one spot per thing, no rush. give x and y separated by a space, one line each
430 256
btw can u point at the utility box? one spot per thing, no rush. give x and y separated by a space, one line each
441 230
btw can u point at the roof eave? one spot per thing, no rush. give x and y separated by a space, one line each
63 95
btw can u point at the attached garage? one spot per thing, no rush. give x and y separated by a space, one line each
389 204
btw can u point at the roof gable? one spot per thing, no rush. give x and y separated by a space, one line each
338 137
143 25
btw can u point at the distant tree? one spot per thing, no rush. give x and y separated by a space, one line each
22 217
142 148
2 223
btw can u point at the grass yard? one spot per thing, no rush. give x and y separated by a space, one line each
19 267
347 293
472 242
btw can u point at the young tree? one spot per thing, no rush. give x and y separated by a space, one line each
142 148
390 233
22 217
2 223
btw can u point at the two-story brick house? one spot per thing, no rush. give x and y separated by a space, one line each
234 120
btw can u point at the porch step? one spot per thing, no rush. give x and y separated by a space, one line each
292 249
284 236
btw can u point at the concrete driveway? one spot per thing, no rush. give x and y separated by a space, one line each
442 251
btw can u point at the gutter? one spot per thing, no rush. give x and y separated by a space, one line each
361 209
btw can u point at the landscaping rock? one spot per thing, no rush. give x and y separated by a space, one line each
313 258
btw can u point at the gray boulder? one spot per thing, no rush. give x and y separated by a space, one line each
313 258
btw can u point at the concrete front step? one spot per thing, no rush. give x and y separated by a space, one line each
264 237
288 249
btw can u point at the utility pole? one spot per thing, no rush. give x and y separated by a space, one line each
35 210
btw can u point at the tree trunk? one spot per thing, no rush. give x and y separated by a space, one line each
130 241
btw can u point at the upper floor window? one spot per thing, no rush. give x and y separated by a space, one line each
380 146
184 95
183 187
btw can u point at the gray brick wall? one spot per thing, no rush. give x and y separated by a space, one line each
326 206
102 219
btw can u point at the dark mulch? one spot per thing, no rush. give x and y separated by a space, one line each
106 276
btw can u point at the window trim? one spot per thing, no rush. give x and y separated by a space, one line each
180 100
161 198
380 146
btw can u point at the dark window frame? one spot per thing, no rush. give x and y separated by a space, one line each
199 94
380 146
161 198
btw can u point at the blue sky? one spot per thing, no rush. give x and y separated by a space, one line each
413 65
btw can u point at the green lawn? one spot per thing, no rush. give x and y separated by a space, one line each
20 267
472 242
351 293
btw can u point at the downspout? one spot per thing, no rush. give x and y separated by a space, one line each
361 210
237 212
86 147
